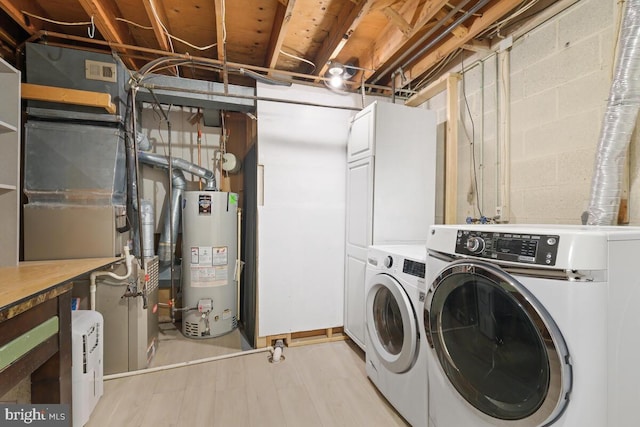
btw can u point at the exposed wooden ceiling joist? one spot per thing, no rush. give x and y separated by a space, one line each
8 38
380 36
14 10
397 20
391 40
280 25
156 13
220 30
221 39
340 34
490 15
104 13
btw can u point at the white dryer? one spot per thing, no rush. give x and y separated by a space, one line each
396 348
533 326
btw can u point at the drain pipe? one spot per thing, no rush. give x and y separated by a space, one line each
128 258
185 364
618 123
278 348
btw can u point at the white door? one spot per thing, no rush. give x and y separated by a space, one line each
359 220
361 134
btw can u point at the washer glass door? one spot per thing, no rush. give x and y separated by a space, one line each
497 345
391 324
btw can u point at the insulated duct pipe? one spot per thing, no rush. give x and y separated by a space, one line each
618 123
178 163
169 235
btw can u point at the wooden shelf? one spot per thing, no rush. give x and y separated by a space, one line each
6 127
68 96
9 164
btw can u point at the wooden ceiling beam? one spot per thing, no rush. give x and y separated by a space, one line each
8 38
483 46
220 30
161 37
104 13
14 9
221 40
280 29
392 41
397 19
339 34
489 16
458 31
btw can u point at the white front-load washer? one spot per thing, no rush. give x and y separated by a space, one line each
396 347
533 326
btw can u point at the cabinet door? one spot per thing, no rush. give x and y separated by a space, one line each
359 226
361 136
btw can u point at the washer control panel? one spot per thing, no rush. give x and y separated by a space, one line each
524 248
414 268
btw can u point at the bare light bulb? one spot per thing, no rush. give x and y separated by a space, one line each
336 81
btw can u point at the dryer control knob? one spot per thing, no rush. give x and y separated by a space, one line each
388 261
475 244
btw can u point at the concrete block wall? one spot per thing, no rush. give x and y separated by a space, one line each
559 79
560 74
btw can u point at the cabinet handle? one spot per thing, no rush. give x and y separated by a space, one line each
260 185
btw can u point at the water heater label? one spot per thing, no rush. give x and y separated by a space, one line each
219 256
204 204
201 255
209 276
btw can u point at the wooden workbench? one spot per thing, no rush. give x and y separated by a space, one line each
35 295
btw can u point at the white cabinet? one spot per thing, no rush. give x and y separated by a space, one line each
390 192
359 228
9 163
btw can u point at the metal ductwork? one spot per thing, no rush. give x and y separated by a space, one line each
177 163
169 234
618 123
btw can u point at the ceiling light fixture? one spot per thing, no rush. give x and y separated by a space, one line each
338 73
335 68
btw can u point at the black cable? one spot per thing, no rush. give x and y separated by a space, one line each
473 137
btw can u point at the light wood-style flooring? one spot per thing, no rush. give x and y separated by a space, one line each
315 385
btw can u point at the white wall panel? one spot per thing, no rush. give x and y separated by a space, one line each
301 226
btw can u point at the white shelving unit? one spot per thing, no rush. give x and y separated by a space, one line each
9 164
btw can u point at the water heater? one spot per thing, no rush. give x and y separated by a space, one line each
209 262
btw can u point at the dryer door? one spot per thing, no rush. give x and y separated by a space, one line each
497 344
391 324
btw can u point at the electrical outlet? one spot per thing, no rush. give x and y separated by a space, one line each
498 212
